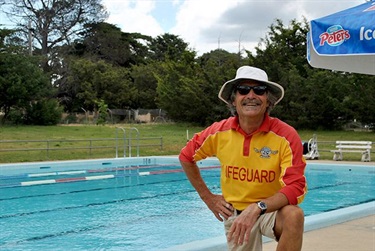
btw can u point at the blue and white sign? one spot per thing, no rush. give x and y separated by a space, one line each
344 41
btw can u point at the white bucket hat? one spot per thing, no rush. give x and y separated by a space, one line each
253 73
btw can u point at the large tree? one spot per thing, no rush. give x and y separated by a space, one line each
168 47
144 80
52 23
180 92
86 82
104 41
21 82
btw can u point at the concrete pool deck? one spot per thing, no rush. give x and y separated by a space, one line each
347 229
354 235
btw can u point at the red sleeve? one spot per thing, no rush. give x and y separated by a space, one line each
295 186
194 150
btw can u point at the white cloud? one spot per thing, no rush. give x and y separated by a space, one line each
133 16
207 24
194 17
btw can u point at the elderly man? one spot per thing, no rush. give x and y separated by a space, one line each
262 166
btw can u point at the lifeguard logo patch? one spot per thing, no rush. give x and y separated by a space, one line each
265 152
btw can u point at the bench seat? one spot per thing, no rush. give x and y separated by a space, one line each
363 147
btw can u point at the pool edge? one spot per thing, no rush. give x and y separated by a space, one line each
312 222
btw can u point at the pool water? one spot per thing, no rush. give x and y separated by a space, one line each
137 207
331 187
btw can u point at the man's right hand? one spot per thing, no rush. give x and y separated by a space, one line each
217 204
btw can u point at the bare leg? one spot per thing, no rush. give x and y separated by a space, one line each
289 228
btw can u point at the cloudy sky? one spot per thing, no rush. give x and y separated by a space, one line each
209 24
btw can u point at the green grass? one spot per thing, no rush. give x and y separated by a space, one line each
63 138
78 136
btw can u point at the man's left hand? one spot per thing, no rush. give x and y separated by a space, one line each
240 230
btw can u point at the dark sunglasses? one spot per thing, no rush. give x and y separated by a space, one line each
245 89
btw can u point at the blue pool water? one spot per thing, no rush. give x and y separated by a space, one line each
136 203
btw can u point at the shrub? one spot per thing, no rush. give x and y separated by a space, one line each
44 112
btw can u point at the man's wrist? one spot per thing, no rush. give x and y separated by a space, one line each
262 206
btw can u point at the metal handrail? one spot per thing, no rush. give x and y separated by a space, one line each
130 144
129 140
120 128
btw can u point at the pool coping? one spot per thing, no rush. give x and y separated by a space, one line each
312 222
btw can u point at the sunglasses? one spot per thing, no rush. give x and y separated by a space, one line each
245 89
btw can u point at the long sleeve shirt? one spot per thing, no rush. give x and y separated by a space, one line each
254 166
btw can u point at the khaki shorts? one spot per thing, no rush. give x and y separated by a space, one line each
263 226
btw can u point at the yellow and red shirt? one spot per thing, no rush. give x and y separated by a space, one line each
255 166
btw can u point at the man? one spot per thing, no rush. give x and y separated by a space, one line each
262 166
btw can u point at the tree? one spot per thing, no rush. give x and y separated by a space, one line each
21 83
146 83
54 22
180 92
218 66
166 52
43 112
188 89
103 41
85 82
360 98
316 102
168 47
283 47
9 42
103 110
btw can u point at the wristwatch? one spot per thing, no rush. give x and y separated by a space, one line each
262 206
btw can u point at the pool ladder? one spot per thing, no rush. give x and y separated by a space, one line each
127 141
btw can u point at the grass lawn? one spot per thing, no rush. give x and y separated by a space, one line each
91 141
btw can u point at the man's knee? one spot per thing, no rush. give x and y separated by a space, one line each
294 212
293 215
290 218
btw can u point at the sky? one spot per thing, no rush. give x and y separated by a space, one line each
210 24
207 25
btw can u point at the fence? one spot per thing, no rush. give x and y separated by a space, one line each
105 147
75 148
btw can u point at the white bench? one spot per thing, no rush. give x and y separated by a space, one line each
363 147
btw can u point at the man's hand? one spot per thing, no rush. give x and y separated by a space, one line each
214 202
218 206
240 230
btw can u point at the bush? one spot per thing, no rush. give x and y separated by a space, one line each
15 117
44 112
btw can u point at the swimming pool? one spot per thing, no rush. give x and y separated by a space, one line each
136 203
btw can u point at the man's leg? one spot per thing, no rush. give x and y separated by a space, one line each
289 228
